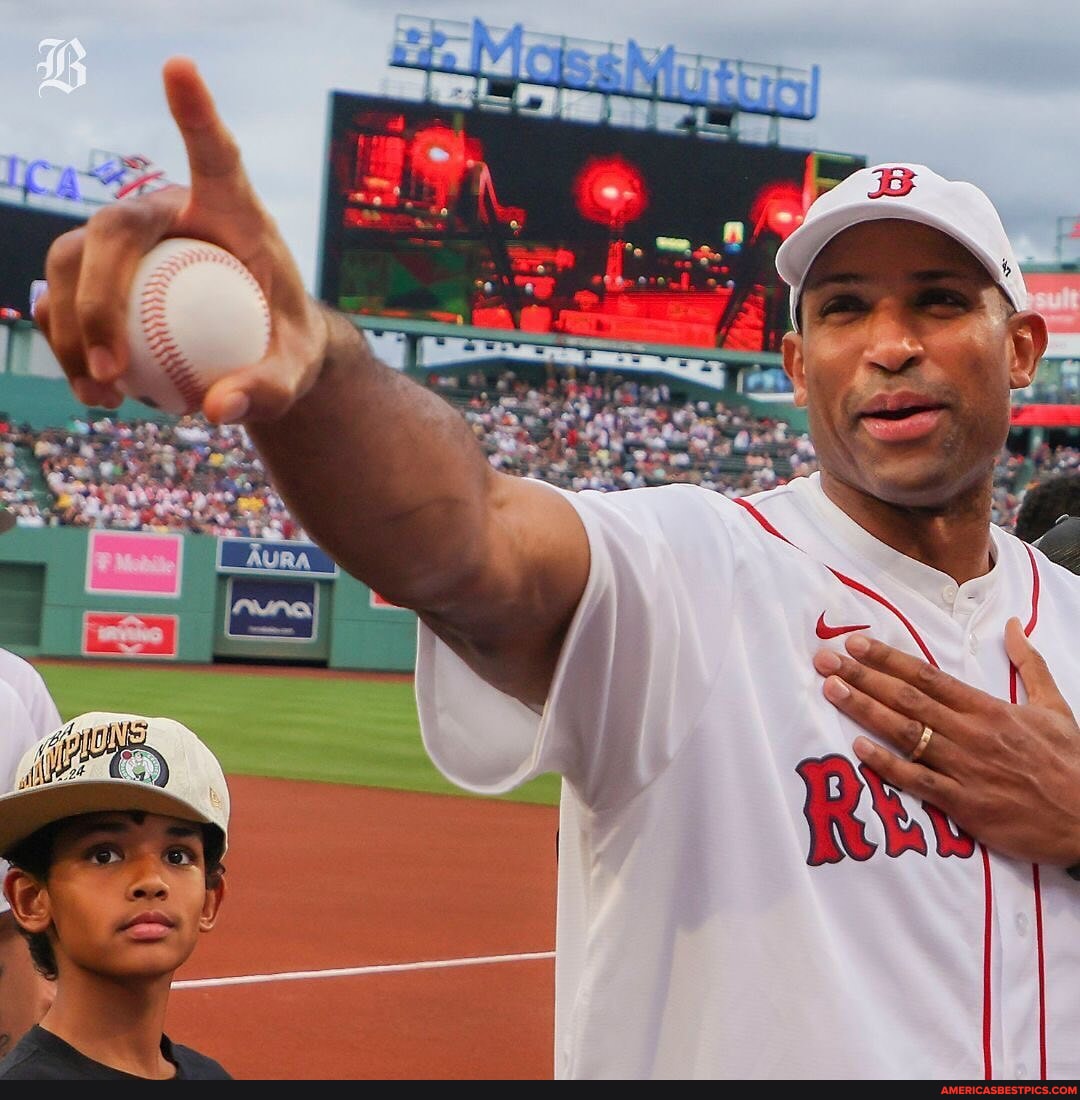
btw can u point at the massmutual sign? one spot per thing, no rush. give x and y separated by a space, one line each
666 74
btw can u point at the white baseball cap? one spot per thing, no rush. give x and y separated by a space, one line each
107 761
912 192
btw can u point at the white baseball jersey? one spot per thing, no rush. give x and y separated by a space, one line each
27 713
739 897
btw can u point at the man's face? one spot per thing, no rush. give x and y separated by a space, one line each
905 363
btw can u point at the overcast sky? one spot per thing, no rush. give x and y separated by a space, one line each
984 90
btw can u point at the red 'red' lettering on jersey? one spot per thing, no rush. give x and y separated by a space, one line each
951 839
893 182
901 833
834 787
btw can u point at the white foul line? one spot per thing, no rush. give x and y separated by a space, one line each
355 971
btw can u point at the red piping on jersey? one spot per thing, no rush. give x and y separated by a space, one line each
988 919
1042 970
845 580
1029 626
987 891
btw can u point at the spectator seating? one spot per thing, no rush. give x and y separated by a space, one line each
601 431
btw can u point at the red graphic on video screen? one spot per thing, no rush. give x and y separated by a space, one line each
612 191
499 221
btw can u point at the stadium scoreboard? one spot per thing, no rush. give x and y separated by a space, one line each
27 233
472 216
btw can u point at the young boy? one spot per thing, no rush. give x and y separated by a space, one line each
115 832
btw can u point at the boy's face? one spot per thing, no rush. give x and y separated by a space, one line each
126 895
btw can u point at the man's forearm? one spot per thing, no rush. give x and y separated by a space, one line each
384 474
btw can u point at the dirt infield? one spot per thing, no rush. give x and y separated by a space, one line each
374 934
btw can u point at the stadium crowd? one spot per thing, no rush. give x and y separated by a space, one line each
601 431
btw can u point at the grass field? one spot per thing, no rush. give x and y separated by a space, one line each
340 729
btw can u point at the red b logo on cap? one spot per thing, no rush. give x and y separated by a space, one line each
893 183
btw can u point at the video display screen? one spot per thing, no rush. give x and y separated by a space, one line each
501 219
26 233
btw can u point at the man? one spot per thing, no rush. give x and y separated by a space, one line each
27 712
24 993
1045 502
749 887
1049 518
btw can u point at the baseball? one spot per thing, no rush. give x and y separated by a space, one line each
195 313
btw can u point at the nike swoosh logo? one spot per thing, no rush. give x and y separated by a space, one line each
826 631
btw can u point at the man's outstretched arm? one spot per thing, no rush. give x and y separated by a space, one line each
381 472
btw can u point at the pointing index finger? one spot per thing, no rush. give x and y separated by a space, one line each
213 155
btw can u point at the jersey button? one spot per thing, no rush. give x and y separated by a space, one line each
1022 923
973 643
1021 1070
948 593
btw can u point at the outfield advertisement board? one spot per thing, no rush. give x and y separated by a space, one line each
125 634
263 556
1056 295
131 563
278 610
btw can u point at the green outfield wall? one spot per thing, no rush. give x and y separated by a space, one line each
148 597
138 596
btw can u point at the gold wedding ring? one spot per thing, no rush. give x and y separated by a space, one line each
920 748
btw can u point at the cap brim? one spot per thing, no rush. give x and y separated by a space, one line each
814 237
24 812
802 248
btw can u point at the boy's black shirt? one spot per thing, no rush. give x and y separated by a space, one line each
42 1056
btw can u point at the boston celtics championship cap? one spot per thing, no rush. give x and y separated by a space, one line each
108 761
